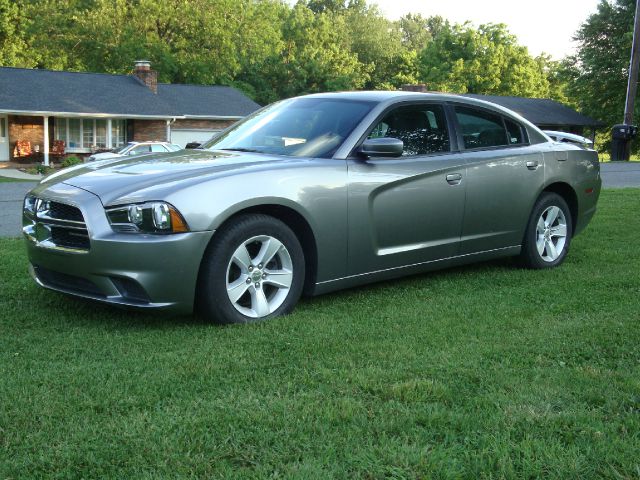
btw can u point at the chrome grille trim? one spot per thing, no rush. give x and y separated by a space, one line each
56 225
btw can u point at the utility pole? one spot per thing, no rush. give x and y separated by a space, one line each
623 134
632 86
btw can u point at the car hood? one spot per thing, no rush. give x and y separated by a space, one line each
120 179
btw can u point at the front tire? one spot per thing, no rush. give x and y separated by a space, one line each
548 235
253 270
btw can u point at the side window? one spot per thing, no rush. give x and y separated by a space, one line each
140 150
422 129
514 132
481 129
158 148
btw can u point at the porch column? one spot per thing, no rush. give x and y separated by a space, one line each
168 130
109 139
46 141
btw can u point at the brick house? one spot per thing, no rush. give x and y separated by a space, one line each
95 111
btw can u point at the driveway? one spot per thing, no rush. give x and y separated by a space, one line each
614 175
620 174
11 195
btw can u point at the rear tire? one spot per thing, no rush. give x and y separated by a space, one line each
253 270
548 235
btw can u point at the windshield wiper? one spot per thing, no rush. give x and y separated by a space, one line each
241 150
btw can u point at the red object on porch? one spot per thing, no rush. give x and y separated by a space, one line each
22 149
58 148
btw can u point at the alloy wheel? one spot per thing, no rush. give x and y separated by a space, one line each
551 234
259 276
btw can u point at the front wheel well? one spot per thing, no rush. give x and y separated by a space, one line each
569 195
301 228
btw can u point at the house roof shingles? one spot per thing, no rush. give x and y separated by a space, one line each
33 90
541 111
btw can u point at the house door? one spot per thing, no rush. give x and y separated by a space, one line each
4 139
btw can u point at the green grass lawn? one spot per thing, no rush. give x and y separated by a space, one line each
486 371
9 179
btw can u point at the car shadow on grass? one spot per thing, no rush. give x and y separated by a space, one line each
88 312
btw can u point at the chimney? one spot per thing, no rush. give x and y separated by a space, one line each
142 70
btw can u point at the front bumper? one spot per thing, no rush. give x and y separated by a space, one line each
135 270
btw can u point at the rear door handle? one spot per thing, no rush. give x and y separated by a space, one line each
533 165
454 178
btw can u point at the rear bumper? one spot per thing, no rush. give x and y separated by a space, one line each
134 270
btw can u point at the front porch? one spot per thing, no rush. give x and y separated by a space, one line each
31 138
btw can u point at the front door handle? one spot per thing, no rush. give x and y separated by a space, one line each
533 164
454 178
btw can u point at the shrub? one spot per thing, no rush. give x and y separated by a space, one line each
71 161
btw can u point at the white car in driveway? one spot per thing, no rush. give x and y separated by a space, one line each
569 138
136 149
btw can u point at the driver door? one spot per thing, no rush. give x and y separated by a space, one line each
407 210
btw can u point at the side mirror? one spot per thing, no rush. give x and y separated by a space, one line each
382 147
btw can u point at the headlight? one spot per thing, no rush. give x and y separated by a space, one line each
152 217
30 205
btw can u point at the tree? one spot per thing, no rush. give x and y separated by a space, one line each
487 60
599 70
13 48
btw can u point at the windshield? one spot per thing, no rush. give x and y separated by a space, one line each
300 127
122 150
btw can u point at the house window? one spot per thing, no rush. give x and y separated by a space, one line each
88 134
73 129
118 132
101 133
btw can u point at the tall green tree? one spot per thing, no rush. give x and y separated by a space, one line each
599 71
486 60
14 51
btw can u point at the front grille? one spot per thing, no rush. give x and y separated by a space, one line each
62 211
69 238
63 281
55 224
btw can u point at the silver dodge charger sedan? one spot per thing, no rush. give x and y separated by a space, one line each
307 196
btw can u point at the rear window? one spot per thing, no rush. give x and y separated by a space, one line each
481 129
484 129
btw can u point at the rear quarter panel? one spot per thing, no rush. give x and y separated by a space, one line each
580 169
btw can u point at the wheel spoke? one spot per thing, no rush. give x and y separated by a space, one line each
269 248
242 258
540 244
237 288
552 214
279 278
259 302
551 250
559 231
541 226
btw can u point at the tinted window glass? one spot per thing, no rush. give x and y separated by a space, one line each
481 129
514 132
422 129
158 148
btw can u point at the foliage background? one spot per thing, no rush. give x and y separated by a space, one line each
274 49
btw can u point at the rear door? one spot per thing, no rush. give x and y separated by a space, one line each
504 175
407 210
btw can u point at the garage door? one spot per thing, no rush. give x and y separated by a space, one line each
182 137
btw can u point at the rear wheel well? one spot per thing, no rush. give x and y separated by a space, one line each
301 229
569 196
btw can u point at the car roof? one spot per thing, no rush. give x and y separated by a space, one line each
383 96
